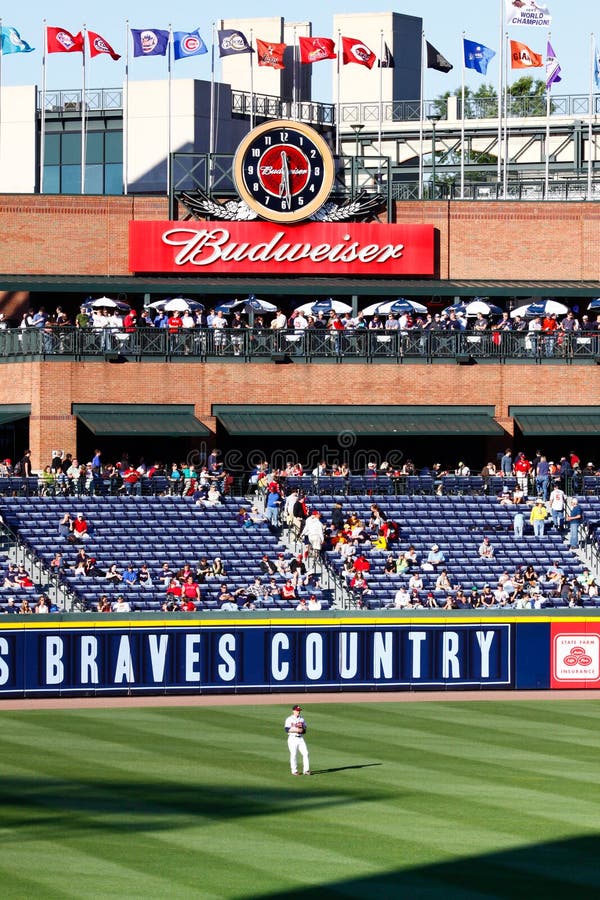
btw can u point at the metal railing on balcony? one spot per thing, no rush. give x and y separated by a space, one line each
69 102
264 344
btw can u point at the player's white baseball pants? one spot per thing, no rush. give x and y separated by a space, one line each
297 743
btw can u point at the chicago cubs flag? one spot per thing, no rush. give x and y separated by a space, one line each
150 41
354 51
521 57
12 42
98 45
314 49
232 42
477 56
270 54
188 43
59 40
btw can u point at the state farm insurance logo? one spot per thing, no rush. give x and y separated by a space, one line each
576 657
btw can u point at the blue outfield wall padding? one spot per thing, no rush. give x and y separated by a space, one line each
532 656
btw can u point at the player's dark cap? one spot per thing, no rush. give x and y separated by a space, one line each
297 708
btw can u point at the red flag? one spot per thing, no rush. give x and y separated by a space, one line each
270 54
522 57
98 45
58 40
315 49
354 51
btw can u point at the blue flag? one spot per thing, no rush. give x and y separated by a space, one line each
12 42
149 41
477 56
597 65
232 42
187 43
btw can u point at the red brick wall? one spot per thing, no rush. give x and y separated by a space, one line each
79 236
51 388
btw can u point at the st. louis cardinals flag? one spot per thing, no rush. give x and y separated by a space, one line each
354 51
98 45
314 49
59 40
270 54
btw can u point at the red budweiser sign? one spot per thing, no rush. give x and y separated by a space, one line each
270 249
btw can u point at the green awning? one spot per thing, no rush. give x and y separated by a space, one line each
140 420
10 412
557 420
360 420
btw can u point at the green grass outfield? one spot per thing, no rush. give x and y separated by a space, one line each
435 799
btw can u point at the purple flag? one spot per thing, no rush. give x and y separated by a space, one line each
553 69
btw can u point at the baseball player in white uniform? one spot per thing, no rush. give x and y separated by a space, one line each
296 729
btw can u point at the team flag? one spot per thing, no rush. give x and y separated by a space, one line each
477 56
58 40
314 49
354 51
522 57
553 70
388 60
527 12
98 45
188 43
435 60
12 42
150 41
597 65
233 42
270 54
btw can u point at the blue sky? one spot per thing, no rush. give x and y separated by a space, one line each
444 21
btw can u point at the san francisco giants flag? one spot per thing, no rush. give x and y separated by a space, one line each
522 57
354 51
270 54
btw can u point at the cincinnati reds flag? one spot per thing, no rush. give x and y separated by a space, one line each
521 57
354 51
315 49
98 45
59 40
270 54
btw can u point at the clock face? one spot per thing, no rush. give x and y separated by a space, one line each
284 171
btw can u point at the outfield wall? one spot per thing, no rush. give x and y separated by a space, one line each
84 655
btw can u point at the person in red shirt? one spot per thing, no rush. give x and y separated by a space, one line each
130 321
187 606
174 323
522 469
191 589
132 481
80 528
174 589
549 330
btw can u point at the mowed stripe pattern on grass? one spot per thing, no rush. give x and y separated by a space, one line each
422 799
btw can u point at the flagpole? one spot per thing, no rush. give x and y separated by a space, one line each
251 83
462 123
294 77
590 111
506 144
380 97
500 89
43 115
338 106
211 135
169 108
126 114
547 141
83 117
1 55
421 113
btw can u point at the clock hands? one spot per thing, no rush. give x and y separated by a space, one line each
285 190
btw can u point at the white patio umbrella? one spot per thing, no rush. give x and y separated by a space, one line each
540 308
108 303
324 306
176 304
473 307
394 306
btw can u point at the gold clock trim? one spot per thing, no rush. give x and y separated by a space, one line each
324 149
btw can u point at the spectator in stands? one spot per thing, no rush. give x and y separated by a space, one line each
187 605
302 605
267 566
314 604
401 599
144 577
272 507
203 570
542 478
191 589
557 500
129 576
359 584
25 609
132 481
486 549
174 589
113 576
314 532
506 464
121 605
42 607
435 559
537 517
65 526
80 528
443 582
574 518
519 515
288 591
415 582
104 604
218 568
23 579
522 469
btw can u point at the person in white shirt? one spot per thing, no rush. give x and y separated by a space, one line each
314 605
295 726
314 532
401 599
121 605
556 501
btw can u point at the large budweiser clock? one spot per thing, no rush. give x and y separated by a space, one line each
284 171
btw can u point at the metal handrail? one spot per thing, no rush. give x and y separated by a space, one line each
286 345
